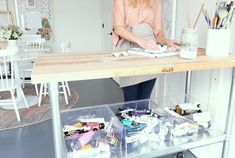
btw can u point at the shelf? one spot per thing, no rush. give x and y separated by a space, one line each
187 154
137 142
186 143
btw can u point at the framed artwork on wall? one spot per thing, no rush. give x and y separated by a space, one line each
31 3
36 17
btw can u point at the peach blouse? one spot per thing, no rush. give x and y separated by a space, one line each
126 15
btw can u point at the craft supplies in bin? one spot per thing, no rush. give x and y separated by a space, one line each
186 115
144 131
92 132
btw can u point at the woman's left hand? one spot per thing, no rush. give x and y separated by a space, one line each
174 44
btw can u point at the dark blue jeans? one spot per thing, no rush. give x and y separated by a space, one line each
139 91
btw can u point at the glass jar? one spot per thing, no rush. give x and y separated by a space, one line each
189 42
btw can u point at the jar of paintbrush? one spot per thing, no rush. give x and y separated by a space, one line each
189 39
219 32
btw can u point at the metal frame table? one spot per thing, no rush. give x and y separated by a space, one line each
54 68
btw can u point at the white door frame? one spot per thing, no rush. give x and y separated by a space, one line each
106 18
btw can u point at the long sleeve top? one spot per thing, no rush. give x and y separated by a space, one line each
126 15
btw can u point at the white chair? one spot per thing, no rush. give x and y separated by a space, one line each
8 82
44 91
34 47
65 46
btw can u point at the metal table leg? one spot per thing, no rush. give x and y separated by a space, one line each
230 117
188 85
56 122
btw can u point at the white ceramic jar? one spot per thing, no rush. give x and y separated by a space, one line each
218 42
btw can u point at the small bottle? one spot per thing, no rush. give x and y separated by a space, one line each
74 143
189 42
85 138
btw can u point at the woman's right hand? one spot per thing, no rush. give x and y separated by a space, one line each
149 44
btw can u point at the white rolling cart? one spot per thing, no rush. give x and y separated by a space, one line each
96 65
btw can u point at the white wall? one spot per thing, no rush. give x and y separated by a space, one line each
232 141
78 21
233 37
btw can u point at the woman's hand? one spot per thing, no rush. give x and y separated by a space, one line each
148 44
174 44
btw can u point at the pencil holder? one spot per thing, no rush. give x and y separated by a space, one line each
218 42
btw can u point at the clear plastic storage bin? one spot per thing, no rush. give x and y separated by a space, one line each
92 132
131 129
144 131
185 114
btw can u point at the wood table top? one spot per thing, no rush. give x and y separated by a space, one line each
56 67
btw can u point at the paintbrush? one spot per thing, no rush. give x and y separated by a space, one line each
195 24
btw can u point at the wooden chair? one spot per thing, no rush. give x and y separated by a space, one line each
8 82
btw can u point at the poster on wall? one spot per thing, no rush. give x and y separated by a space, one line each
31 3
36 16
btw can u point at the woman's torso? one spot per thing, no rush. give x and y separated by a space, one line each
139 14
131 16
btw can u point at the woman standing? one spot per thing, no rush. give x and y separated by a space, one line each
138 23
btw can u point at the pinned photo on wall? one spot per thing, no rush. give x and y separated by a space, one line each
45 31
31 3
